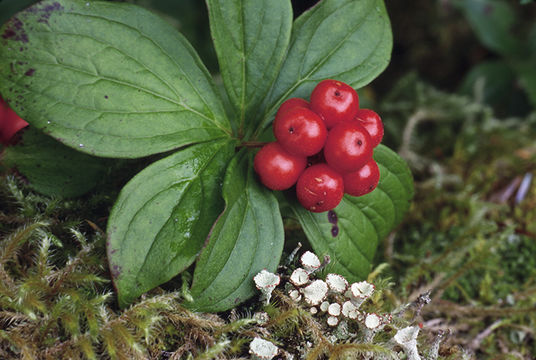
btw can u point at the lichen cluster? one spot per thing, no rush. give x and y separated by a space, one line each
348 320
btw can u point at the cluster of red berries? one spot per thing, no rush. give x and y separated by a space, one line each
323 146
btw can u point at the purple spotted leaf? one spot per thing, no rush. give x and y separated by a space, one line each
109 79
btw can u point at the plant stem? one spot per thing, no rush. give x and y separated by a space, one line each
253 144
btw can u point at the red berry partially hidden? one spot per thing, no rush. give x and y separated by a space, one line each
362 181
320 188
317 158
277 169
334 101
300 131
10 123
292 103
348 147
373 123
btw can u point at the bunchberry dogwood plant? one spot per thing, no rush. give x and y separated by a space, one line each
112 80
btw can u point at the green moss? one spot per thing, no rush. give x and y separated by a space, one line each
466 237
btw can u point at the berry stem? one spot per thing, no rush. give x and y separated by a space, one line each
253 144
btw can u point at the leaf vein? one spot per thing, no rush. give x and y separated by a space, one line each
186 75
185 190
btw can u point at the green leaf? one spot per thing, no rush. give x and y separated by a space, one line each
251 39
531 40
246 238
106 78
492 21
8 8
351 232
494 83
347 40
163 215
52 168
526 71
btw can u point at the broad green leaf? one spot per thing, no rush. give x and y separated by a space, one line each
347 40
52 168
526 71
246 238
110 79
163 215
492 22
351 232
251 39
496 84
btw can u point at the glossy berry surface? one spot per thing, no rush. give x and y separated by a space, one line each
320 188
10 123
334 101
362 181
373 123
348 147
300 131
291 104
277 169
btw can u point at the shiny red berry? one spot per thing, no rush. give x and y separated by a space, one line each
292 103
10 123
334 101
373 123
348 147
320 188
300 131
362 181
277 169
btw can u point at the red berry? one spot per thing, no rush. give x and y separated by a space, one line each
10 123
277 169
373 123
292 103
362 181
300 131
320 188
348 147
334 101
